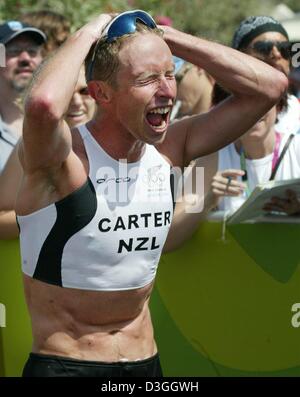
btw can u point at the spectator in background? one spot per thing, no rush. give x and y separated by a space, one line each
194 84
82 105
253 159
194 89
23 44
266 39
56 27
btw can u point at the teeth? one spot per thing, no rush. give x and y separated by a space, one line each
75 114
160 110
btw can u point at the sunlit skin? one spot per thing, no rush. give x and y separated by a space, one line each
82 105
194 92
147 83
19 68
275 58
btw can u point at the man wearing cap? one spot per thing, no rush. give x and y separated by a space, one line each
96 203
23 54
266 39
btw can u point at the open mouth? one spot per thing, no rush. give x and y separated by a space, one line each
24 71
158 118
76 114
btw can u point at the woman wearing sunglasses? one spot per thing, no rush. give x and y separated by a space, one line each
96 204
263 153
266 39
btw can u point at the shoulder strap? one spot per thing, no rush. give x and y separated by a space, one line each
286 146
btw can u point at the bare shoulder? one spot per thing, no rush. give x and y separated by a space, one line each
175 144
46 186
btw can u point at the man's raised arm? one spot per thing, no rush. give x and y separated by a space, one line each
255 88
46 137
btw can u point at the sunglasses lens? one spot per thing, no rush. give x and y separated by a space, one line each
265 47
285 49
126 24
123 26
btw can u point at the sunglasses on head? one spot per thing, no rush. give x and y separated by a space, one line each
123 24
265 48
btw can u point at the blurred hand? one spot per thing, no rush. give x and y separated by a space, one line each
225 183
289 205
98 24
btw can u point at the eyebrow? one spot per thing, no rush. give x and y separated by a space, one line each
146 75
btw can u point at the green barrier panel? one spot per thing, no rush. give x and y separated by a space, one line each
229 302
219 308
15 338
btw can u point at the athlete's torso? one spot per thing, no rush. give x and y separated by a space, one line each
85 324
108 234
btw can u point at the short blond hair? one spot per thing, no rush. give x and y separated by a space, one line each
106 61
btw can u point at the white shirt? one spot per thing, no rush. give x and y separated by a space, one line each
7 142
289 121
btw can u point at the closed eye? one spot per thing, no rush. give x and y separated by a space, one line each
84 91
170 75
148 80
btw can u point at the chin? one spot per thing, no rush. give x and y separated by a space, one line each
154 137
74 121
257 134
158 140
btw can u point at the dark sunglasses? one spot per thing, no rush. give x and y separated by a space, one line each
265 47
124 23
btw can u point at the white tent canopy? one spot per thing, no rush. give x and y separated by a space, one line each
289 19
292 26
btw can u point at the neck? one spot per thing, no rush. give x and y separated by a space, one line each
119 144
10 110
257 148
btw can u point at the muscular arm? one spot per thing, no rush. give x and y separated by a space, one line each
255 88
46 136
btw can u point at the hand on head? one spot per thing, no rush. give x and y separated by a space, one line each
98 24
